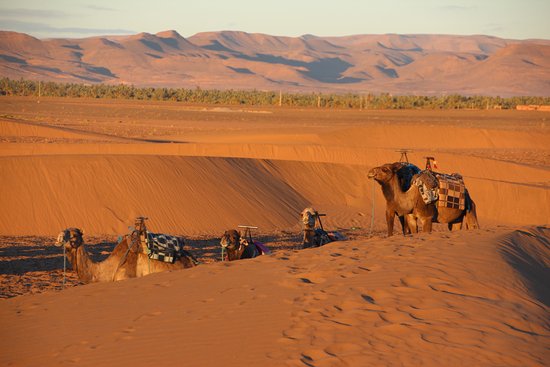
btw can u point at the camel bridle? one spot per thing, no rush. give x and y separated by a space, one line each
73 236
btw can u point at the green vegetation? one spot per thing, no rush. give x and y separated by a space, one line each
261 98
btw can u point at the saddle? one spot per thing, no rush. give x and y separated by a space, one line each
448 190
254 248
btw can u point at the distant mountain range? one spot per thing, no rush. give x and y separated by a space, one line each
398 64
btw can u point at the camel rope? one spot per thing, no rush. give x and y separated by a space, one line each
64 265
372 215
123 259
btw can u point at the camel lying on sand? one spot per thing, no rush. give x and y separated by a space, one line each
313 237
405 201
126 261
237 246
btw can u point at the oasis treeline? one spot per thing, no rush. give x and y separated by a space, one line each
21 87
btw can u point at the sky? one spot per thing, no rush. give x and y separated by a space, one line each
85 18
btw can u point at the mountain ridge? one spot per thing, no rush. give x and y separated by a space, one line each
393 63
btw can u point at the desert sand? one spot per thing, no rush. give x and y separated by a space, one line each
447 298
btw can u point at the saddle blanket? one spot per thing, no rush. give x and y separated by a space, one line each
163 247
262 249
452 191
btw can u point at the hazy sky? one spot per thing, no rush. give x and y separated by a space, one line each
84 18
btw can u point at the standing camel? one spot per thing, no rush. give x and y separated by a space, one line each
395 179
408 203
127 260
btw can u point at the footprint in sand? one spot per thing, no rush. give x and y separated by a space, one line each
312 357
368 298
342 349
125 334
148 315
296 332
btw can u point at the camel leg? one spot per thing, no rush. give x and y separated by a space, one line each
404 227
426 224
411 223
455 226
389 222
470 221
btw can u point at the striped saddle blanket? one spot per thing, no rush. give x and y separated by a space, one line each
164 247
448 190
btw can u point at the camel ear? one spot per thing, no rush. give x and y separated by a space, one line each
396 166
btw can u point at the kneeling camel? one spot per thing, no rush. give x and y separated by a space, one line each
127 260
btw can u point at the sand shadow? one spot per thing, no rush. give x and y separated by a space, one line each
524 251
41 255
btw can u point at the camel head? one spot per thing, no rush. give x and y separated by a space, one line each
231 239
308 217
71 238
233 243
385 172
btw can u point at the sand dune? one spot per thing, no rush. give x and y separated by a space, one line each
446 298
218 178
426 300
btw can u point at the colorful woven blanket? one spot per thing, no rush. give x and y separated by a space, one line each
452 191
163 247
448 190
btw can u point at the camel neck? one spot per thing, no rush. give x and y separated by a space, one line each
82 263
403 200
391 188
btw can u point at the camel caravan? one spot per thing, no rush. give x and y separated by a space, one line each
417 197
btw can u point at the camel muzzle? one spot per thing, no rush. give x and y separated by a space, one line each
60 240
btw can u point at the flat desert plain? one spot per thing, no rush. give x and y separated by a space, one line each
477 297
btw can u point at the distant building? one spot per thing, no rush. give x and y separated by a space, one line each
532 107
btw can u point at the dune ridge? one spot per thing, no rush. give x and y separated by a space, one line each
97 176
